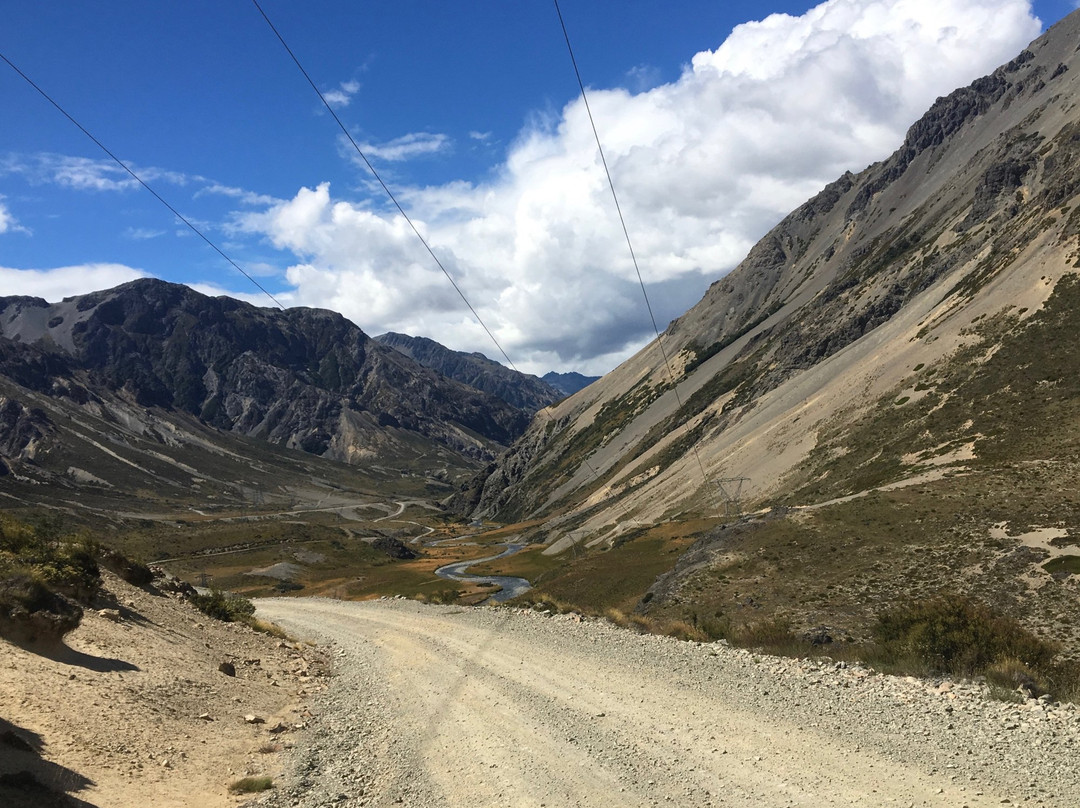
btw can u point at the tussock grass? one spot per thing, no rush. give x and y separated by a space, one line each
251 785
442 596
273 629
773 635
1010 679
679 629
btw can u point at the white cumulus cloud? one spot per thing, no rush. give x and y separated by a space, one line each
8 222
703 166
60 282
343 95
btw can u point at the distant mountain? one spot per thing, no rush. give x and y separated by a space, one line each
149 359
476 370
568 383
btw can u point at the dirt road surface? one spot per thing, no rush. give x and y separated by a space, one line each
444 706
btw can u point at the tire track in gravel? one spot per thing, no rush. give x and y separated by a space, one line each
496 707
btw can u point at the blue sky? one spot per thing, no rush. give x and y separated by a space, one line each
470 113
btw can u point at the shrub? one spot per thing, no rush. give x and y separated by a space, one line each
65 566
30 610
251 785
773 635
1011 680
134 572
224 606
41 578
956 636
1064 680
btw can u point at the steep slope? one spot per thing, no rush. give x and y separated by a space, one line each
476 370
891 331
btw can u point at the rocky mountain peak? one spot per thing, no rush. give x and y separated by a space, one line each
302 378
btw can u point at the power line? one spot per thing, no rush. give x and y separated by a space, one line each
385 187
139 180
622 221
401 210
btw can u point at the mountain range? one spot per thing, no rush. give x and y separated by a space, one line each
476 370
879 402
99 385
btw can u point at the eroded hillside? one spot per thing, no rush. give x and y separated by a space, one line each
904 332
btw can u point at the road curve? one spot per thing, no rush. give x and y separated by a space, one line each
443 706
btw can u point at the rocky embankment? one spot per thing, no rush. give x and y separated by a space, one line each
148 702
442 706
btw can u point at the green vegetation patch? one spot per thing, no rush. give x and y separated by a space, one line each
616 577
957 636
225 606
530 563
1067 563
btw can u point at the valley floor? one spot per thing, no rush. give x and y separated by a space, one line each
444 706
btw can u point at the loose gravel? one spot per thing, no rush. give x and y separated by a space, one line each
443 706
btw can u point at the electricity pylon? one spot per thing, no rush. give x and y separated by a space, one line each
731 492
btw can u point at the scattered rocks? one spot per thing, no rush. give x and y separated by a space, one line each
822 635
228 668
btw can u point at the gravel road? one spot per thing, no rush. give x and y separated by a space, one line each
443 706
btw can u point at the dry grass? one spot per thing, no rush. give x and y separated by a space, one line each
251 785
273 629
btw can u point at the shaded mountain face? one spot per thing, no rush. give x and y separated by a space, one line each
568 383
474 369
855 346
301 379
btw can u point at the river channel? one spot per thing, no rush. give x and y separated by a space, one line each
511 587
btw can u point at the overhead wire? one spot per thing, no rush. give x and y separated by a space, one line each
401 209
384 186
622 221
140 180
172 209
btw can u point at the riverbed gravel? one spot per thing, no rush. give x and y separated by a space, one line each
435 706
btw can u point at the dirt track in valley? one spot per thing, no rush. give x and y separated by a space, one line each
443 706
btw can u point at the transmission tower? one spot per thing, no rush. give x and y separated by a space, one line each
731 492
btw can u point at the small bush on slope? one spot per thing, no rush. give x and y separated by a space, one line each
957 636
224 606
42 580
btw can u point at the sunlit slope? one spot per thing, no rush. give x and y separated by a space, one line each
839 316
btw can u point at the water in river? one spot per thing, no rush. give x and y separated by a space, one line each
511 587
